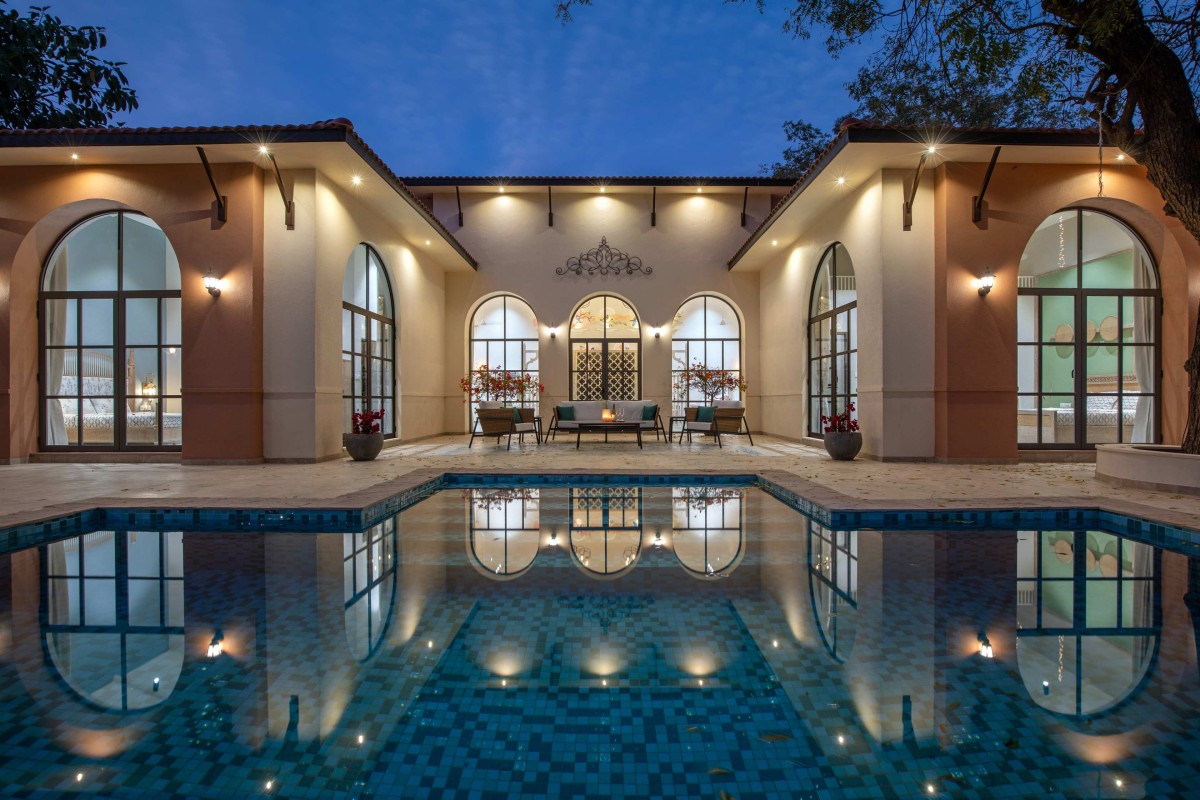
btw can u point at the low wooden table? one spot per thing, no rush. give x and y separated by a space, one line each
607 428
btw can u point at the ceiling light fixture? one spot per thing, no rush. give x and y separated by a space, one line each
1120 156
263 150
841 181
74 156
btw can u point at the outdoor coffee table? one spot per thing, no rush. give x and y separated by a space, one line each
608 427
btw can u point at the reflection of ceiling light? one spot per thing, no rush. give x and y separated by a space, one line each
985 647
216 646
430 644
929 788
841 739
1119 783
361 738
774 643
78 777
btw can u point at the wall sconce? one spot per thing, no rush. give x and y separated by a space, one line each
986 282
985 647
657 332
215 647
553 332
212 283
554 538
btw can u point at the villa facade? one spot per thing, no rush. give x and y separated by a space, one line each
979 295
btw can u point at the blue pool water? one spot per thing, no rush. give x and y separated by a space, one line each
599 641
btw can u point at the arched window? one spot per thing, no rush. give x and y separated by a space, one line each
111 353
606 359
832 338
706 529
504 336
706 331
605 532
1087 334
369 570
505 532
368 340
1088 618
833 586
113 616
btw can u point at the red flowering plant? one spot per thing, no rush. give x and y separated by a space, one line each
366 421
841 423
498 384
710 383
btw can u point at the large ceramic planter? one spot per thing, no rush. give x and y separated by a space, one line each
363 446
843 446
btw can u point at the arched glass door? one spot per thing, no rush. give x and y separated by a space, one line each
706 331
368 340
832 338
1088 310
606 359
504 338
112 359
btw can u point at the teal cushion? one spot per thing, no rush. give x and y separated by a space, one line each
649 412
516 415
566 413
705 414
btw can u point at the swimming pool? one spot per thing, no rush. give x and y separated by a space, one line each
557 639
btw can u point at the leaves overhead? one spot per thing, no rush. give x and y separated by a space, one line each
51 77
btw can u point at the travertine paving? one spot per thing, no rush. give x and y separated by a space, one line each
26 489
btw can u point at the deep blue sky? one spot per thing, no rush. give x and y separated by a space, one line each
437 87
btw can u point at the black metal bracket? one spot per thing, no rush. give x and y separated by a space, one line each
550 204
977 200
222 201
654 207
912 192
458 198
289 207
745 199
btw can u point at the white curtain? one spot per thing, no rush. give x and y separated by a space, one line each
56 334
1143 361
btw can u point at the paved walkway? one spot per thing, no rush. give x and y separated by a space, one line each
28 491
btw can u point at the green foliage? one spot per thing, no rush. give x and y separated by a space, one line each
805 143
50 76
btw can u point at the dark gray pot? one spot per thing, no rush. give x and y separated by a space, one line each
843 446
363 446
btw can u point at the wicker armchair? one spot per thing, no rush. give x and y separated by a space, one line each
500 422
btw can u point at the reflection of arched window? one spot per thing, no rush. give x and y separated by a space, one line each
833 584
505 530
1087 334
706 331
606 361
368 340
504 336
605 531
706 530
1088 618
369 560
832 338
112 361
113 616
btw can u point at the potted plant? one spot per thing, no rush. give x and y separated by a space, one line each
710 383
367 439
842 437
500 385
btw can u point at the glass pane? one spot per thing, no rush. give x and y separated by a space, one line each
149 262
381 293
621 320
62 597
61 322
389 417
853 328
1138 366
354 284
519 319
172 544
86 261
172 377
99 601
97 322
1100 315
141 321
1027 328
1139 319
689 320
732 353
1027 368
172 321
1058 319
347 330
142 378
1103 419
172 421
1058 369
143 554
488 322
588 322
530 355
1050 258
1137 419
387 388
174 596
144 603
1108 252
822 296
822 333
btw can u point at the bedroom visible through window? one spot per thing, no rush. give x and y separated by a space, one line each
112 356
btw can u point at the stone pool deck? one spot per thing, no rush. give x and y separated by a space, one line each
30 492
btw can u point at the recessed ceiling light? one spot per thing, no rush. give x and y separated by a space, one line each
263 151
931 149
841 181
774 242
501 190
699 189
74 156
427 243
602 190
356 180
1120 156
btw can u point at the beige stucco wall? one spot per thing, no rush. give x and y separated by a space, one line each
894 276
518 253
305 269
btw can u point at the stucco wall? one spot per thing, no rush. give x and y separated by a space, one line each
518 253
222 339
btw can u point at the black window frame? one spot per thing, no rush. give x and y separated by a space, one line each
827 321
368 399
605 372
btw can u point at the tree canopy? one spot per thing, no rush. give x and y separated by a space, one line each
51 76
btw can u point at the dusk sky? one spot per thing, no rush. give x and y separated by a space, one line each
657 87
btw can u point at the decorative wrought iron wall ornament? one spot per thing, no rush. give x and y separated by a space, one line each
604 259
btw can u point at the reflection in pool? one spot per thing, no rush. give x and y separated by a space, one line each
600 641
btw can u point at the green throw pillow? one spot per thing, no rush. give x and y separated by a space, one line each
566 413
649 412
517 415
705 413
